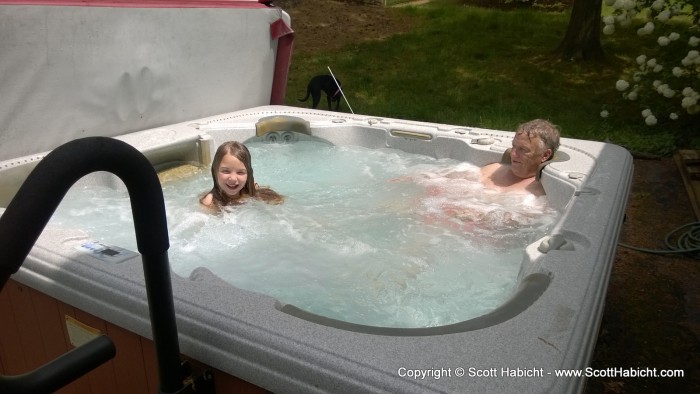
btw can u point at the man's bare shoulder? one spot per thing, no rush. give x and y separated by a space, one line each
490 168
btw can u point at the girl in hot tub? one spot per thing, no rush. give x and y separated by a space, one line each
234 184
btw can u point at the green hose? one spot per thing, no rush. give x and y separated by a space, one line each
687 241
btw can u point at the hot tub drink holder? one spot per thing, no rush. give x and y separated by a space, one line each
29 212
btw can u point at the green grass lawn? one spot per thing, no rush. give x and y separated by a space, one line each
488 68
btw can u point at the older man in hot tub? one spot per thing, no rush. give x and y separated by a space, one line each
534 143
497 196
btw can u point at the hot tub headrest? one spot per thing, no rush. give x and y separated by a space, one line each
279 123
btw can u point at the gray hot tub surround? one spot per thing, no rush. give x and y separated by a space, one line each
550 323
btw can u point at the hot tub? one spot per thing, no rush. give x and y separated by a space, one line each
549 324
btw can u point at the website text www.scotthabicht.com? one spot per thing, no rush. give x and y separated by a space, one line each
471 372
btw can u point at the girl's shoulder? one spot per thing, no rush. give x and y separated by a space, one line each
207 200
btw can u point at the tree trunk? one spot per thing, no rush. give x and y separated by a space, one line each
582 39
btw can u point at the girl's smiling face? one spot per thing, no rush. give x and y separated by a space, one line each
231 176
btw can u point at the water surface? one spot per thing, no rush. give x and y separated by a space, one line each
371 236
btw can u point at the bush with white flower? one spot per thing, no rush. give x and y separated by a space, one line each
665 81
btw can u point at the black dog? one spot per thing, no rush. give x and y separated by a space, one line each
323 83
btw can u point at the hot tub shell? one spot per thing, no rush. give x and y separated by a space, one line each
256 338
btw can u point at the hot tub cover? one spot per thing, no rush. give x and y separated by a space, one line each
71 69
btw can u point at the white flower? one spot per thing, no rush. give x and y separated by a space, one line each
663 40
622 85
651 63
688 102
674 36
664 15
646 113
609 20
693 54
630 4
673 116
666 91
693 41
656 84
686 61
641 59
688 92
649 27
618 4
608 29
658 5
604 114
637 76
650 120
609 2
632 96
677 72
658 68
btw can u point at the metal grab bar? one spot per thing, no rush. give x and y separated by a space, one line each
39 196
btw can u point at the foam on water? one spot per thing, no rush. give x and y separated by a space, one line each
371 236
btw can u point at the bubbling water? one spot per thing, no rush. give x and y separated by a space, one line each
371 236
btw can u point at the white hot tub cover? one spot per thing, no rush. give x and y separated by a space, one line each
72 69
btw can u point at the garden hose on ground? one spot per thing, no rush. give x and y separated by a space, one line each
687 241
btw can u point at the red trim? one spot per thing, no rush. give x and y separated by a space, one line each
284 35
143 3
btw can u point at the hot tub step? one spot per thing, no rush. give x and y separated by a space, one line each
688 162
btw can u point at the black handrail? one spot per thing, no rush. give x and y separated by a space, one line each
62 370
39 196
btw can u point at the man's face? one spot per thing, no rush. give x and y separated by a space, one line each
527 154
